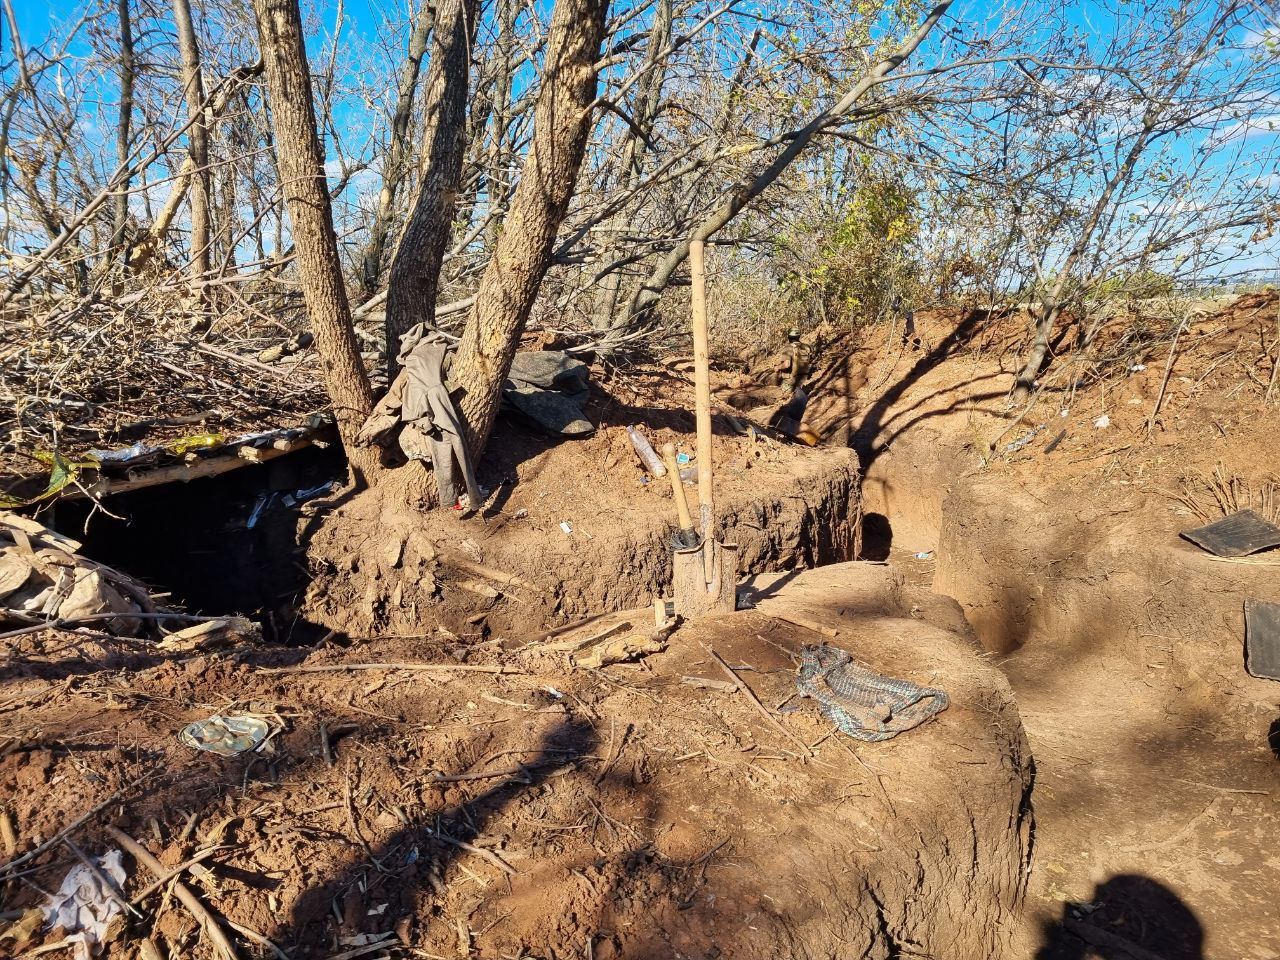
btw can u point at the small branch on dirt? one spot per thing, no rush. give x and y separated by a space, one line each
802 622
421 667
702 683
557 631
8 835
68 830
480 570
108 884
177 871
1103 453
1164 382
1212 786
1275 365
483 854
573 646
521 771
180 890
354 952
69 622
250 934
612 756
350 806
763 710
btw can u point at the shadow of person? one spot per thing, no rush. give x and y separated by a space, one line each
1130 917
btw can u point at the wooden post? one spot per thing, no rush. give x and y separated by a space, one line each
702 400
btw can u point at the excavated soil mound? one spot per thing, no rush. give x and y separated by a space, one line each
548 811
577 529
1056 528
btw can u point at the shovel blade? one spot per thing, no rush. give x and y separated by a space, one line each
695 594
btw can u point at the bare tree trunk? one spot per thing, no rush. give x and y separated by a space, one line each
562 123
306 194
120 215
497 164
228 221
415 269
198 138
394 165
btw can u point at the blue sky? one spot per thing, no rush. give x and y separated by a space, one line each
368 42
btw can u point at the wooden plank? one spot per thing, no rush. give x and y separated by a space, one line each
182 473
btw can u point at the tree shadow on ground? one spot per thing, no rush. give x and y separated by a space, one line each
1131 917
415 858
865 438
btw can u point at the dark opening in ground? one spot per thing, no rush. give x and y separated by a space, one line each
217 545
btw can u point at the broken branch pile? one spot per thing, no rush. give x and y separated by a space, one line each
103 374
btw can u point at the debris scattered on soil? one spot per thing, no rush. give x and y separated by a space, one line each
530 809
1262 638
87 903
861 703
226 736
44 579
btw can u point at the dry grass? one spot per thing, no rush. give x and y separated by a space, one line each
1222 493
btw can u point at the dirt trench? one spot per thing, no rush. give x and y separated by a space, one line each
758 844
1124 646
384 567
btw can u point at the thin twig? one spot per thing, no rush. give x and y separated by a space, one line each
478 851
764 712
67 830
188 899
423 667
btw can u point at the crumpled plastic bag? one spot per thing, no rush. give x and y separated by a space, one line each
226 736
83 906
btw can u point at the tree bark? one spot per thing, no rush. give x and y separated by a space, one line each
198 138
562 122
415 269
124 126
306 195
394 165
497 163
644 116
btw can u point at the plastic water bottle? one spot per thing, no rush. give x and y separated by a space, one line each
646 452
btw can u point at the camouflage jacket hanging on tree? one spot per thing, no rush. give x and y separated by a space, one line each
419 404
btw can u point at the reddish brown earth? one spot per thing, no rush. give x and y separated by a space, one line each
621 812
646 817
1156 753
579 523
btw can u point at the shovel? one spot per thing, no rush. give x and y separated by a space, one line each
706 577
686 538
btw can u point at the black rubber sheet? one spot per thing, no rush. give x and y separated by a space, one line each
1262 638
1238 535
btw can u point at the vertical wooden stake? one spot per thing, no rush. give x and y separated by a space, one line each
702 399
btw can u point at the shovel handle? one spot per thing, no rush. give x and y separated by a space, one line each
677 485
702 385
